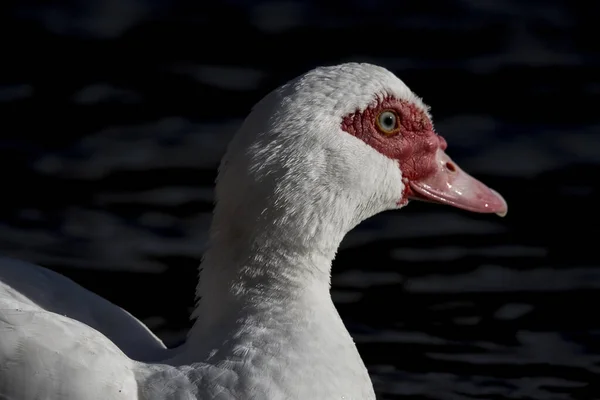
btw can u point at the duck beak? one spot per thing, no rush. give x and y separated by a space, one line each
452 186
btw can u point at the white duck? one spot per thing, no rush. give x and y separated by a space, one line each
313 159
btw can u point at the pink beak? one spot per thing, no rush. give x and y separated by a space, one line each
451 185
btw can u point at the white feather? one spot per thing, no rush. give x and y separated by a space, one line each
291 185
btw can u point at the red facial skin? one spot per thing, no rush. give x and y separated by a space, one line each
413 144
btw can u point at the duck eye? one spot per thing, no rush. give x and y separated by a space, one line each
387 122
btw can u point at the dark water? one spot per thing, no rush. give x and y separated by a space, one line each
114 114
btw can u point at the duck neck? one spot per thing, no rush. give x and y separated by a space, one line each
266 290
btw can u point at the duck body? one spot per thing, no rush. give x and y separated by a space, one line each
88 340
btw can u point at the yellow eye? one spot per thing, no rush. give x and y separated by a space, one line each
387 122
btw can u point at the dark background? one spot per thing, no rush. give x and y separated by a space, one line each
114 114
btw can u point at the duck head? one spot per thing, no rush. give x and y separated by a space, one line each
338 145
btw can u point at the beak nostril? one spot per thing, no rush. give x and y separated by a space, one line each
450 167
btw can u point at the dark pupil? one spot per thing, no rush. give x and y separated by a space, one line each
388 121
